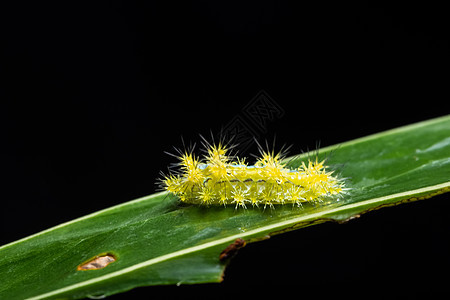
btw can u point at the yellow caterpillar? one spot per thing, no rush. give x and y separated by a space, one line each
220 179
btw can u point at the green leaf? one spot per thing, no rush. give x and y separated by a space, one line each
156 240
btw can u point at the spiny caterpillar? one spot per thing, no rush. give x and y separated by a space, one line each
218 178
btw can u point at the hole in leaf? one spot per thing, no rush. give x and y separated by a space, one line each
98 262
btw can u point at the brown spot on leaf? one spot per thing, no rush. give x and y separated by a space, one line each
96 263
231 249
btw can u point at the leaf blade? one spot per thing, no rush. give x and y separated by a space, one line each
157 241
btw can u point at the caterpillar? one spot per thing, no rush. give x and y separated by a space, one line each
219 178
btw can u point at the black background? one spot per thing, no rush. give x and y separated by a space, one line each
93 93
